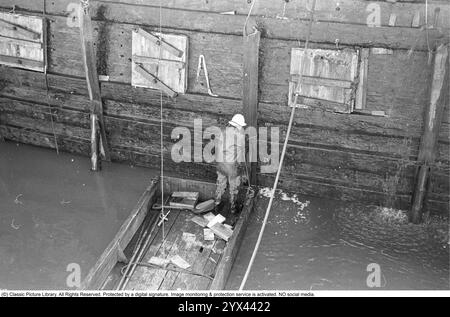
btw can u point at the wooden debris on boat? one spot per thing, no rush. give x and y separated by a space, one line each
180 262
208 234
228 226
202 222
189 237
217 219
221 231
209 216
190 195
186 200
158 261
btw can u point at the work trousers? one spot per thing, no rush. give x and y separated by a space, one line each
234 182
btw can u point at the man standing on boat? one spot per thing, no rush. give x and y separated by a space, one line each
230 159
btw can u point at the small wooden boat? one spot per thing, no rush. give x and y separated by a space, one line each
143 237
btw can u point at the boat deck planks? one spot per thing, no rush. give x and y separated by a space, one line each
197 252
142 276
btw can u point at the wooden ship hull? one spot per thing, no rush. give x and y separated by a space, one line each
349 157
142 234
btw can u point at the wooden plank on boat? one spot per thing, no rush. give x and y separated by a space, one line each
190 195
162 247
224 267
180 262
218 219
206 189
186 281
202 222
212 263
186 200
221 231
143 277
208 234
187 247
98 274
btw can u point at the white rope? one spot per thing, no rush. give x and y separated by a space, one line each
272 195
162 213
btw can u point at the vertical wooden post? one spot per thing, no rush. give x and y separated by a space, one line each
94 143
90 67
251 89
439 97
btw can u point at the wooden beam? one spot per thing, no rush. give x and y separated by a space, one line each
319 81
27 43
160 42
93 85
16 61
112 254
20 29
348 11
153 60
439 96
250 94
158 83
361 92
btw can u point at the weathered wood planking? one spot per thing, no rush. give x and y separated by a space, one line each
351 11
384 69
185 239
309 186
398 37
122 125
353 124
171 70
225 77
326 67
21 41
436 203
345 136
439 97
364 171
98 138
129 102
366 143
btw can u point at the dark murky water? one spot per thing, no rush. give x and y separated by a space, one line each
327 245
54 211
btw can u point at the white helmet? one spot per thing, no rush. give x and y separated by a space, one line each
238 121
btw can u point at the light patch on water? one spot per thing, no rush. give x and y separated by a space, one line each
266 192
302 214
391 214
